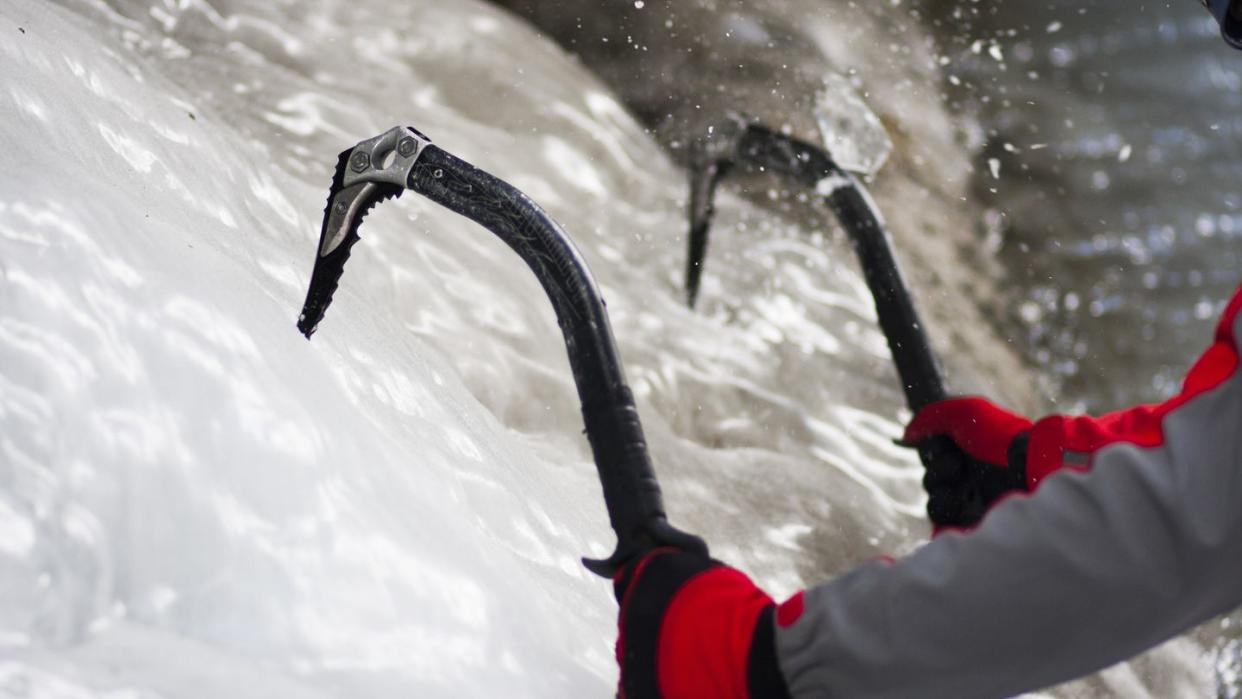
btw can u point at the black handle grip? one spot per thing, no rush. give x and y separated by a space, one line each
921 378
631 491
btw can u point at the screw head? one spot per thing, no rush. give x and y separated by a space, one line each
406 147
360 161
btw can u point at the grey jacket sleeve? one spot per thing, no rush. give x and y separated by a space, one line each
1094 568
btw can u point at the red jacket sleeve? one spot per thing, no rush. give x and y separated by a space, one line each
1061 441
1100 565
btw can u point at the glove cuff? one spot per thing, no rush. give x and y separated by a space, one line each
690 624
1047 447
646 590
1017 455
763 671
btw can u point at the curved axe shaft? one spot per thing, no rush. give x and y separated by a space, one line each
737 143
631 491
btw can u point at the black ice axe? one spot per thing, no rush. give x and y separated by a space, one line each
739 143
402 158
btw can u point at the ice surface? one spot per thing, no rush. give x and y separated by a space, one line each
195 502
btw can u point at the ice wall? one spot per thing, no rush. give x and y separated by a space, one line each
195 502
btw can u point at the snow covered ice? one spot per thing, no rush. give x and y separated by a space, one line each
196 502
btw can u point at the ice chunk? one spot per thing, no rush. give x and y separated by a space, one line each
852 132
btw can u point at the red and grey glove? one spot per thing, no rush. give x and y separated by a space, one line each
694 628
975 452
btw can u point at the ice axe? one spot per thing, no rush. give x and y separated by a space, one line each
960 487
402 158
740 143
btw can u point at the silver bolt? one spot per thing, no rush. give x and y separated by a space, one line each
360 161
341 207
406 147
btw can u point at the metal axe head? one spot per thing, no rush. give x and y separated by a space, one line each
711 158
372 171
740 142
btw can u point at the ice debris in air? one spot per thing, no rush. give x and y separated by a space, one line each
852 132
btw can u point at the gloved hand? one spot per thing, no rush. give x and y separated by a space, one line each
692 627
975 452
